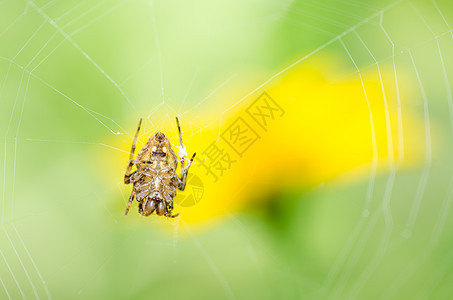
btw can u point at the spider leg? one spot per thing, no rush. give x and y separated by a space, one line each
173 216
169 211
131 198
182 156
128 174
182 149
183 179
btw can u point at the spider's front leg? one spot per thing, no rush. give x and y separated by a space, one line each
182 155
128 173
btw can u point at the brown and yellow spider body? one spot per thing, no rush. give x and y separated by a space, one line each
155 180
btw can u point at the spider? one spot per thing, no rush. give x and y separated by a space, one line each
155 180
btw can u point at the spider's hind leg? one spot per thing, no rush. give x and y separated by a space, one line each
169 215
169 211
184 172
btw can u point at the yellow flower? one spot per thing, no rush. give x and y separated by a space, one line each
317 126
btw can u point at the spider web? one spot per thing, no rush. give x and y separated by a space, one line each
47 252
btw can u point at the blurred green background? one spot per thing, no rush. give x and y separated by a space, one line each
75 76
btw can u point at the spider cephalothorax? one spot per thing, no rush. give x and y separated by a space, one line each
155 180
